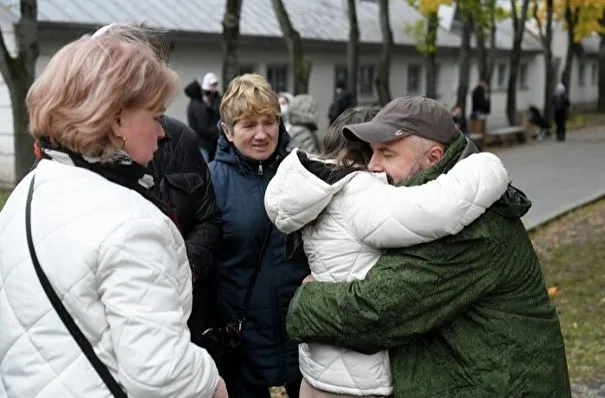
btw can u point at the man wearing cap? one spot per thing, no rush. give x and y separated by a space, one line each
463 316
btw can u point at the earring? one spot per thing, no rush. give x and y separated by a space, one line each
123 141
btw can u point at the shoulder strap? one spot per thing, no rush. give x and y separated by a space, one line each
68 321
254 276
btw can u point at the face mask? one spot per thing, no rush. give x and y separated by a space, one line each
284 109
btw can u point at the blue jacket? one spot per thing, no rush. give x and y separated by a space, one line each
271 358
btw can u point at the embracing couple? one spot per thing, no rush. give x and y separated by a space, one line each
424 280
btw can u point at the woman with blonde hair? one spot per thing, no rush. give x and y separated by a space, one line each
96 286
255 280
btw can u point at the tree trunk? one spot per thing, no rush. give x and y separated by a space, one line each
515 55
482 57
571 48
231 19
431 56
464 61
353 51
24 142
19 74
301 67
549 83
384 65
493 48
601 103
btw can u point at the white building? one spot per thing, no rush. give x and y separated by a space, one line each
195 26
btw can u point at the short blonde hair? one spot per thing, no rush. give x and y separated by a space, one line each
85 85
248 95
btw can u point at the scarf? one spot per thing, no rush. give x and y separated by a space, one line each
119 168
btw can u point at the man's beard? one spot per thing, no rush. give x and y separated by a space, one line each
416 169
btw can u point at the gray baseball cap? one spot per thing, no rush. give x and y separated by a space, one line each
403 117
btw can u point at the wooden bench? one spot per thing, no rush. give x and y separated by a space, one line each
500 135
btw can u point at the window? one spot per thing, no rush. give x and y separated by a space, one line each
501 76
522 76
594 74
581 74
277 76
341 73
414 72
243 69
366 81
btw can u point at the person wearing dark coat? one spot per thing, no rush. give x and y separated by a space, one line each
343 99
561 107
203 113
251 146
183 182
481 103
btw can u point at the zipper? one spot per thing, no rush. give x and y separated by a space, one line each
260 169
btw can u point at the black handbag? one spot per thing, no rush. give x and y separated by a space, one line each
101 369
224 343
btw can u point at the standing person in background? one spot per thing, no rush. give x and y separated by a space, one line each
251 147
285 99
343 99
481 102
561 107
460 119
303 124
203 113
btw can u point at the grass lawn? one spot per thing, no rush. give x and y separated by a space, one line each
3 197
572 251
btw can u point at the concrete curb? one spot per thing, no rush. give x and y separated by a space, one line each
533 225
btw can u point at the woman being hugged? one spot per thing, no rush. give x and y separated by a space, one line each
252 145
346 216
116 262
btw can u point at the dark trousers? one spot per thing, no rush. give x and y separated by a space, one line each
256 391
560 120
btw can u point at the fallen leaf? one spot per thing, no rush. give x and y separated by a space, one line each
554 291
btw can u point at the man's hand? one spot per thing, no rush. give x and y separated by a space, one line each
221 389
308 279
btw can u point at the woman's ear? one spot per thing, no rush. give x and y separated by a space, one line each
116 124
227 131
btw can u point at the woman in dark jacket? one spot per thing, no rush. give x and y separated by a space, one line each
183 183
250 149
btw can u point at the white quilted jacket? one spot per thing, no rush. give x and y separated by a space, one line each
121 269
345 226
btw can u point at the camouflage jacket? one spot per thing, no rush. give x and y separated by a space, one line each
464 316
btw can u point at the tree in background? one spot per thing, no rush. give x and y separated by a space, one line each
543 14
464 56
19 73
382 80
582 19
353 50
424 32
301 66
231 20
518 18
486 14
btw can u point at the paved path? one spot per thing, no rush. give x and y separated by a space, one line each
558 177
